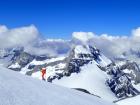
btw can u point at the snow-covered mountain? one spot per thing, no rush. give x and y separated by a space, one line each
17 89
109 72
83 68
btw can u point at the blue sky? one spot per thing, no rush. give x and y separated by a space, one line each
59 18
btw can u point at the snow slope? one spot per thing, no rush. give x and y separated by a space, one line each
17 89
130 101
90 78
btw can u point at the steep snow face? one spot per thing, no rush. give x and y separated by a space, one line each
17 89
90 78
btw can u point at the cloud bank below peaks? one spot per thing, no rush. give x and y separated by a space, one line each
112 46
27 37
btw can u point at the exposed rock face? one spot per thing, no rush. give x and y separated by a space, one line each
78 59
121 78
22 59
122 86
133 70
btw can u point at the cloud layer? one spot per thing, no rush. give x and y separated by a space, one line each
18 36
83 36
114 46
29 38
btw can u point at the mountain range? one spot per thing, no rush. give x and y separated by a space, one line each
78 65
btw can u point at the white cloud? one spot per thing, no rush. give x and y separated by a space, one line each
3 28
113 46
51 47
83 36
29 38
136 32
40 51
18 36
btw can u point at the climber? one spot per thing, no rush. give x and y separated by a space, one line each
43 71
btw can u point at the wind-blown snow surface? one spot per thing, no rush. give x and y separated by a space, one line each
17 89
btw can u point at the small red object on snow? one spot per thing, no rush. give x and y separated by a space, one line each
43 71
